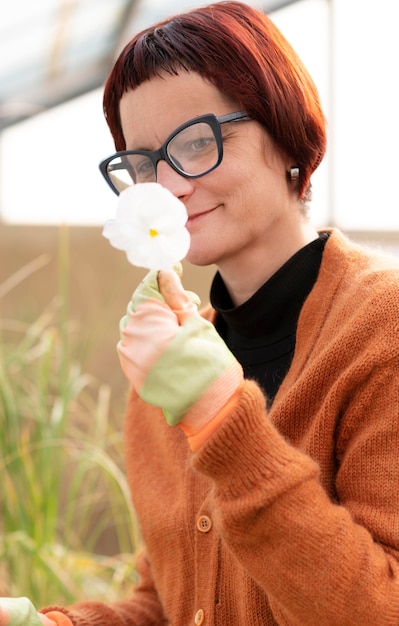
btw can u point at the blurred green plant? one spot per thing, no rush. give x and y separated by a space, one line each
61 463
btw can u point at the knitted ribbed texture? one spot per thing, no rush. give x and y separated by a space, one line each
291 517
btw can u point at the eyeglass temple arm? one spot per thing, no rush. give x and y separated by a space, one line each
116 166
239 116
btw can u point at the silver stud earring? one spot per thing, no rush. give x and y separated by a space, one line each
294 173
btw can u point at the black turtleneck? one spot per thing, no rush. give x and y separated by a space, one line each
261 331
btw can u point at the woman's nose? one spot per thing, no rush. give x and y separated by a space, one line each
169 178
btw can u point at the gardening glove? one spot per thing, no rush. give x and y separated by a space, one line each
173 357
21 612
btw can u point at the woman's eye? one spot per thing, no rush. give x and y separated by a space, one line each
143 169
200 144
197 148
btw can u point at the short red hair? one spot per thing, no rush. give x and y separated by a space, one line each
241 52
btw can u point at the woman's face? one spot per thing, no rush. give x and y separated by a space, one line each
241 213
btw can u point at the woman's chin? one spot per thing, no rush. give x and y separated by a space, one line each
200 256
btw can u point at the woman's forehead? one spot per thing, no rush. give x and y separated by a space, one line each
157 106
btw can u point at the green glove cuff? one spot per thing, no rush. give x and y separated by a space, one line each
192 362
21 612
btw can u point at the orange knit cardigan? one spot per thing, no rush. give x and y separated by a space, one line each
291 516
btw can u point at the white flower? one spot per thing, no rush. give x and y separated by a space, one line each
149 226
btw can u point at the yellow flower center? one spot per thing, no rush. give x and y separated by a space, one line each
153 232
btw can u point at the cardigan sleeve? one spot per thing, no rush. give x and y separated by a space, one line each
320 559
143 608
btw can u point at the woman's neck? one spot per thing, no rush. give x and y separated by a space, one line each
243 276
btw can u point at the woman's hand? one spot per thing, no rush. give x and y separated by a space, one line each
174 358
21 612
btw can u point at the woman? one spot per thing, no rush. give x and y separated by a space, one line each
269 494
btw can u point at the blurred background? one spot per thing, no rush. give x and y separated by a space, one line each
54 57
63 288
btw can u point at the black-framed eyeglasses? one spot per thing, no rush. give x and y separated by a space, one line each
194 149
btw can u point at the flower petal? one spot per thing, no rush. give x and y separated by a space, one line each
149 226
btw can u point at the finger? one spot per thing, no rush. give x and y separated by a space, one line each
175 296
3 617
56 618
172 290
46 621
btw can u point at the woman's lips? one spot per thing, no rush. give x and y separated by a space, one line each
197 218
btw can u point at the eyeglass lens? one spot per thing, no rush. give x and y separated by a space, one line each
193 151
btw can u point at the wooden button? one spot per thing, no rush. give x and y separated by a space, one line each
199 617
204 524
